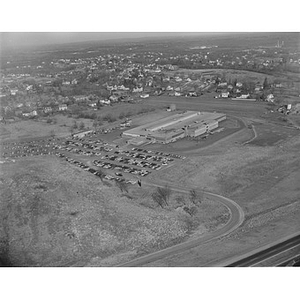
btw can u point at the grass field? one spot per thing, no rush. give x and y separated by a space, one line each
27 129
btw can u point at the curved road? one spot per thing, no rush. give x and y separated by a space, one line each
236 219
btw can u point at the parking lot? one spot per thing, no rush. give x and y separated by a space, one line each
93 154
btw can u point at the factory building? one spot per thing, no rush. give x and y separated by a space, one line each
177 126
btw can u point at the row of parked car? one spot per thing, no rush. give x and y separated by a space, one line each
159 153
28 148
125 169
93 171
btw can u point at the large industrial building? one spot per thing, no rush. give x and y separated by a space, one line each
176 126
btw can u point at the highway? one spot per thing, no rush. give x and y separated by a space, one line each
236 219
278 254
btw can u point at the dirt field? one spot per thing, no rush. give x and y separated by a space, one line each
54 214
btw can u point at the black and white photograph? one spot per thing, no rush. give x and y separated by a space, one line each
150 149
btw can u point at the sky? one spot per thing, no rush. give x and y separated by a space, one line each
19 39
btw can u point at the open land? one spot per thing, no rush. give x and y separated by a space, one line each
56 215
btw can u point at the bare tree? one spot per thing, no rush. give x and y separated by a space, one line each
122 186
165 193
196 196
158 199
161 196
180 199
81 126
101 174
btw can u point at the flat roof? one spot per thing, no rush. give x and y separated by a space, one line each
174 122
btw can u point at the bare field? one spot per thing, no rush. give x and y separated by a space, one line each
54 214
27 129
210 104
264 181
231 74
241 172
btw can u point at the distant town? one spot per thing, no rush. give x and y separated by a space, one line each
80 83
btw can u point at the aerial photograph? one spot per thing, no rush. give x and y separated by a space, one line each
158 149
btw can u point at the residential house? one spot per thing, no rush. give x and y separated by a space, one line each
243 96
105 101
47 109
62 107
270 98
144 96
80 98
137 90
93 104
13 92
225 95
113 98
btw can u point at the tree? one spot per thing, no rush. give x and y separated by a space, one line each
95 125
164 193
265 84
180 199
75 126
157 198
122 186
81 125
52 133
196 197
122 115
101 174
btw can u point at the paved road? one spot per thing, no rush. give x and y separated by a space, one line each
236 219
271 255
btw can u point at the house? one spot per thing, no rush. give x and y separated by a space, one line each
47 109
169 88
13 92
113 98
74 81
177 94
191 94
62 107
30 114
123 88
243 96
104 101
80 98
239 84
93 104
144 96
137 90
225 95
66 83
270 98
